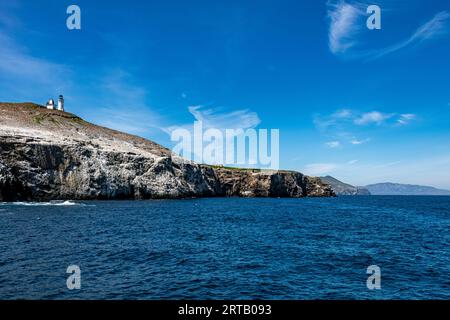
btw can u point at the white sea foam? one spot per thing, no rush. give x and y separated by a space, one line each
51 203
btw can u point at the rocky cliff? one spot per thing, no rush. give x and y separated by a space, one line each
344 189
48 155
262 183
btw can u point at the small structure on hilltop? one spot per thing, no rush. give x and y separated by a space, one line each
61 103
51 104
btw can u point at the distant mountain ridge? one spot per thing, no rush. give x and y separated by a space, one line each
344 189
382 189
390 188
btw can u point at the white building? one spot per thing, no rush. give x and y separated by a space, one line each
51 104
61 103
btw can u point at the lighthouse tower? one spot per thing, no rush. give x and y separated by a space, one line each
61 103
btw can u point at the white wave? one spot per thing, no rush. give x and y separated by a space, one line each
51 203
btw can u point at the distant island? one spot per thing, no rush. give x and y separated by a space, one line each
387 188
48 154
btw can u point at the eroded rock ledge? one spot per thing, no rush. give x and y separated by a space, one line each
51 155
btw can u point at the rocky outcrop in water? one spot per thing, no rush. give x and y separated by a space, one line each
49 155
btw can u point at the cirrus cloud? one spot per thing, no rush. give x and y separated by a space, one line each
217 119
345 125
406 118
333 144
343 26
347 20
317 169
373 117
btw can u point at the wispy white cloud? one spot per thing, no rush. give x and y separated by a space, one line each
217 118
122 105
335 120
352 162
221 120
7 18
406 118
17 64
112 100
333 144
345 125
23 72
438 26
337 126
344 26
347 21
373 117
343 114
358 142
318 169
386 165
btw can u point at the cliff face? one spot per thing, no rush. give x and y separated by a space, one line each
261 183
344 189
48 155
34 170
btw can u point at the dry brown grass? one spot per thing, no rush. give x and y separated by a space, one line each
68 126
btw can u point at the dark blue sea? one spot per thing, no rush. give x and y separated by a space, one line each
227 248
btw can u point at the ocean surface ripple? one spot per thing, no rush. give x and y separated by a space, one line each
227 248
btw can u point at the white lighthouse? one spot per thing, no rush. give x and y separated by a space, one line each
61 103
51 104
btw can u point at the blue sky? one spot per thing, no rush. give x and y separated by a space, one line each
362 105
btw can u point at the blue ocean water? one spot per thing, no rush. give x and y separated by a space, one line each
313 248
